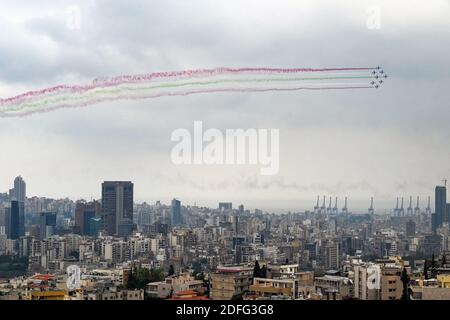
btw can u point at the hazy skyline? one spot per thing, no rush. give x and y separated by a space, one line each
384 143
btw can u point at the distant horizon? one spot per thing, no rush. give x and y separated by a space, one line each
273 206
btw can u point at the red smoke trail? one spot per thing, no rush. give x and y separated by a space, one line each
108 82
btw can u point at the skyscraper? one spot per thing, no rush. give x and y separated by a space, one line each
47 224
84 211
18 193
440 207
14 229
225 206
175 217
117 207
410 228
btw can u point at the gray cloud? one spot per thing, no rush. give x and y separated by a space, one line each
372 142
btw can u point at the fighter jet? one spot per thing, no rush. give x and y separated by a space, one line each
381 81
372 82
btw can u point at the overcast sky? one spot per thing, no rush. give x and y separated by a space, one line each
394 141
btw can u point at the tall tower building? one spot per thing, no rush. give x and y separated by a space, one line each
440 207
14 221
225 206
410 228
117 207
371 209
18 193
47 224
175 216
84 211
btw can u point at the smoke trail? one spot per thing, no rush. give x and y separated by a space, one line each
187 82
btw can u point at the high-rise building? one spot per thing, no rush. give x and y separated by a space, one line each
440 207
2 218
410 228
332 255
47 224
117 207
18 193
225 206
175 217
83 212
94 226
14 219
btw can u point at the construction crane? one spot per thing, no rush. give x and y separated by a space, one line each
371 211
335 208
397 209
428 209
322 208
417 208
329 207
316 208
409 211
344 209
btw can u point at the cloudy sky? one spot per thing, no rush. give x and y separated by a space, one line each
384 143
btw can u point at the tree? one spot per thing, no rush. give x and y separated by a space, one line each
197 267
200 276
171 270
263 272
405 280
425 269
433 267
256 270
238 296
156 275
140 277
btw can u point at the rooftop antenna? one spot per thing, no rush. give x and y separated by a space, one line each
445 182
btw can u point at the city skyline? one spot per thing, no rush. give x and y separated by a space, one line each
361 144
404 204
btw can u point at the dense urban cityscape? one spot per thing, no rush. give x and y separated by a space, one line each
139 251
